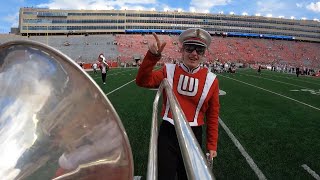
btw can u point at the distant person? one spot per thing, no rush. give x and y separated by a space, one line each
232 68
226 67
297 71
197 92
259 70
81 65
104 67
94 67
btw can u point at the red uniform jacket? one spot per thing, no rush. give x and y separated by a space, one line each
196 90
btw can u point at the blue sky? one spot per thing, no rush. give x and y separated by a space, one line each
309 9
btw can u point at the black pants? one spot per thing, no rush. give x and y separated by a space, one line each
170 162
104 77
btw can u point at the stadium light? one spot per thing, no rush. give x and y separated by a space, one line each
292 17
244 14
258 14
231 13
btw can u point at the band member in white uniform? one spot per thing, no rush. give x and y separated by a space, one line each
104 67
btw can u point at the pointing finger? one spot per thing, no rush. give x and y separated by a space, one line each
157 39
162 47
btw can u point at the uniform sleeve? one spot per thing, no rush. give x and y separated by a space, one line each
212 116
146 77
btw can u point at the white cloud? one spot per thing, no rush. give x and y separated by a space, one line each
314 7
12 18
270 6
97 4
140 8
299 5
206 5
244 14
192 9
164 7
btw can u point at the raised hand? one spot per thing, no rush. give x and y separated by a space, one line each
157 48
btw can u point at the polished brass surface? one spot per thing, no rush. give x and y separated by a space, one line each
55 122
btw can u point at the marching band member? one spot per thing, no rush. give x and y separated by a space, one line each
197 92
104 67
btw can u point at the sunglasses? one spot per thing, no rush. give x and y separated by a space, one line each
189 48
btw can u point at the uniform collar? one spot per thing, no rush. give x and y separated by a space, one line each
188 70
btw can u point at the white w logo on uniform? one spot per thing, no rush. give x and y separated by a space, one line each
187 85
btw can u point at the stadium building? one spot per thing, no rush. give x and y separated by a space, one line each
123 36
39 21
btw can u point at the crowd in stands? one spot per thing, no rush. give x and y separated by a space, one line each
129 49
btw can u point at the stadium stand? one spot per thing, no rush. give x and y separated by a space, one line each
123 36
125 48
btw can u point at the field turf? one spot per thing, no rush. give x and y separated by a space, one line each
275 117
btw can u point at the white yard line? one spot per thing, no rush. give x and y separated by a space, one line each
273 93
310 171
137 177
295 79
120 87
274 80
244 153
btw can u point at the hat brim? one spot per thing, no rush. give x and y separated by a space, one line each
199 43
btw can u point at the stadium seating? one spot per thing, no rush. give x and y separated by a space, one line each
125 48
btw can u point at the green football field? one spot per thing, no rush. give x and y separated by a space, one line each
269 126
